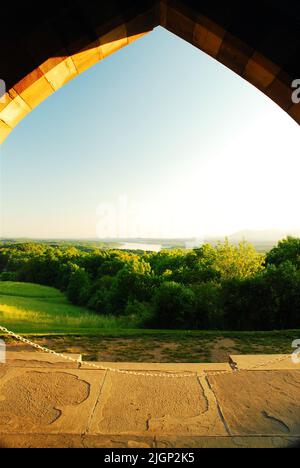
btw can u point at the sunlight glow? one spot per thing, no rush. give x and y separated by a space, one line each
193 154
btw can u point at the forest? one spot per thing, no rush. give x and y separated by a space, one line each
222 287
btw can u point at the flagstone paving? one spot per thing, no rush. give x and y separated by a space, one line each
45 403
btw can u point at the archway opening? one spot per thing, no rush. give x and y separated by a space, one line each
261 45
149 162
209 168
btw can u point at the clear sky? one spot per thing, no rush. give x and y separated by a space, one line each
158 140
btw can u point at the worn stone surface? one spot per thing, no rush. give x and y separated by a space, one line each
118 441
30 359
154 405
265 362
225 442
57 407
76 441
3 370
162 367
44 401
263 403
40 441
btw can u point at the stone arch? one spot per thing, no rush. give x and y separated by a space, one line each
260 42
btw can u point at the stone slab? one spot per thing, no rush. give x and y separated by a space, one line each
76 441
119 441
265 403
4 131
32 359
47 401
57 407
14 112
225 442
163 367
40 441
263 362
156 405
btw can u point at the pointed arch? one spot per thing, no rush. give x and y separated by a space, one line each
260 43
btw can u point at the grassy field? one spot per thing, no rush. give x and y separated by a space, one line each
29 308
45 315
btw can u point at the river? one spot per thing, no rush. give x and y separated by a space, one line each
140 246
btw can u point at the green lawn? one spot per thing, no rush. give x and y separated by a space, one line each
31 290
30 308
45 315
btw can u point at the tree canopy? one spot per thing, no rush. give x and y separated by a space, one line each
213 287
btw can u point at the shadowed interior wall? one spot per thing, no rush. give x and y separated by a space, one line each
42 49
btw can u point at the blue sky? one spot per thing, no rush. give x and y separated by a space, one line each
158 140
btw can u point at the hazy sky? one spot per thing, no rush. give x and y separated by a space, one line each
158 140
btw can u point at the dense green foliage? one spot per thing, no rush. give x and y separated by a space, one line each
222 287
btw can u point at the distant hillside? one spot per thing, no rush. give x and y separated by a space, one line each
263 241
270 235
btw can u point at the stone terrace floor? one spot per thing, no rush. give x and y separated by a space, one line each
48 402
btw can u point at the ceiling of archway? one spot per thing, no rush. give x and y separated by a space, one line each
43 48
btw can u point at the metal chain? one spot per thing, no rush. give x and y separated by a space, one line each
234 369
